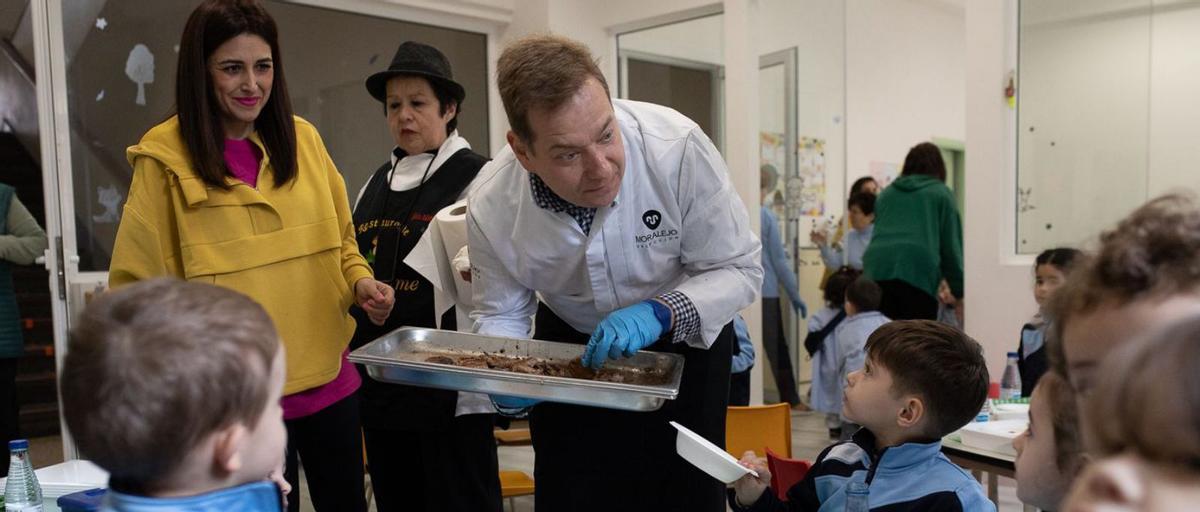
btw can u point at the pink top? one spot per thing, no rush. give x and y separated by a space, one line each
243 158
310 401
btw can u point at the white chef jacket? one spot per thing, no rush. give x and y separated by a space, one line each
676 225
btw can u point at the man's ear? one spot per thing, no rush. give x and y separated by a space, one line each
227 449
523 152
912 413
451 111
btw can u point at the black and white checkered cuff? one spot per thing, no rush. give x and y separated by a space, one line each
685 318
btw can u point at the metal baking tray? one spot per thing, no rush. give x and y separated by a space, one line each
400 357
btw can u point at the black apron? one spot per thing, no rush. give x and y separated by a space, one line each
596 459
385 238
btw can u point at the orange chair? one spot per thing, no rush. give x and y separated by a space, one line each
758 428
514 483
513 437
785 472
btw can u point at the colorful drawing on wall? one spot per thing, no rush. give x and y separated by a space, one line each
806 190
884 173
773 163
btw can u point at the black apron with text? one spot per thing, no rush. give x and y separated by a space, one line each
596 459
385 238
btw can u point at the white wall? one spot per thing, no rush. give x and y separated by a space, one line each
904 78
1174 101
698 40
999 298
1098 138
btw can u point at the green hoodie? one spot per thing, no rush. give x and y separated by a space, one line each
918 236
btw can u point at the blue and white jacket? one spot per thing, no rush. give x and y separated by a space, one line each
262 496
909 477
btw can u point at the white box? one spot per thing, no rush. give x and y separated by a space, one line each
995 436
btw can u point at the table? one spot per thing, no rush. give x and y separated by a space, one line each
977 460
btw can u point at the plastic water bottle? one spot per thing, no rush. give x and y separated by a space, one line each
1010 384
856 497
22 491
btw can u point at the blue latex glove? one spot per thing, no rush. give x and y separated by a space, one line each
800 306
513 405
622 333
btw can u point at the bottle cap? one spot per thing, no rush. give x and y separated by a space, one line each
18 444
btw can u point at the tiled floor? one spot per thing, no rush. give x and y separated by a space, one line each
809 437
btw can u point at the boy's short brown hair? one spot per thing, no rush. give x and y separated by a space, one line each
865 294
1149 404
542 72
1152 253
937 362
1064 419
154 367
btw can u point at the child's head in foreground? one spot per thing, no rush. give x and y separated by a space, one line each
921 380
1048 452
1142 427
862 296
1145 274
174 388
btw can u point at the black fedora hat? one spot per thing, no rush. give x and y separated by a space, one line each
417 59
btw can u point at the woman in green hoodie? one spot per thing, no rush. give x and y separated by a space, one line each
918 238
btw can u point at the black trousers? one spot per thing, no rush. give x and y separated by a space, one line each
329 444
596 459
778 356
903 301
450 470
9 410
739 388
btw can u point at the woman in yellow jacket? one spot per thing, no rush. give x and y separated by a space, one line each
236 191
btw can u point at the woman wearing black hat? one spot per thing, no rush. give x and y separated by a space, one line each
427 449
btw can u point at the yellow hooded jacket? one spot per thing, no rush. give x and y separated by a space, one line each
290 248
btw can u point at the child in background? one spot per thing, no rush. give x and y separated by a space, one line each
1048 453
1143 426
743 361
921 380
173 388
825 378
848 252
849 342
1050 272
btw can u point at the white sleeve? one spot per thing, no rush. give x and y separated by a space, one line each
720 253
503 306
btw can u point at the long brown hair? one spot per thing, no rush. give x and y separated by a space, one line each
212 24
925 159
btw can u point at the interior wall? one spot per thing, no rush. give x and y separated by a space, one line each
999 285
1174 102
905 70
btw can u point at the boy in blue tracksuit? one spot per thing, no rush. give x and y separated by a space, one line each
920 381
849 342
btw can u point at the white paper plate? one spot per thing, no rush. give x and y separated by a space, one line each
708 457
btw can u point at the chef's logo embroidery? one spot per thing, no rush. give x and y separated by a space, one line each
652 218
657 234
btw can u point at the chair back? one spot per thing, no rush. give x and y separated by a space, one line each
785 473
757 428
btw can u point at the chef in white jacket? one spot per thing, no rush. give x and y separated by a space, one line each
620 217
